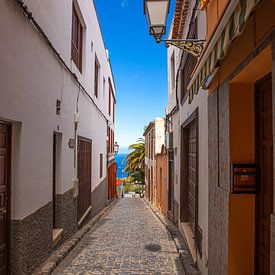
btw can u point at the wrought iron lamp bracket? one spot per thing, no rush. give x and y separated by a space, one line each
191 46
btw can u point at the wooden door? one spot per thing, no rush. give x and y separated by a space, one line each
192 176
171 180
84 165
54 180
160 188
265 164
5 133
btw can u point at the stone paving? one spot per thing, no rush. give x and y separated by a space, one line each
128 240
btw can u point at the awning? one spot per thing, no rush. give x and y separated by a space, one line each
233 28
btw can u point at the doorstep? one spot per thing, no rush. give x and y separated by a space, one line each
190 239
57 236
185 255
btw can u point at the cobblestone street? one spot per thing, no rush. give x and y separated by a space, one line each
128 240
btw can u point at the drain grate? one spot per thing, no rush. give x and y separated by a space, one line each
153 247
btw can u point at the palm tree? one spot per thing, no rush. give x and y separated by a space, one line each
135 161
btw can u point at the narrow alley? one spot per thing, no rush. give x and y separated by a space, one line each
128 240
137 137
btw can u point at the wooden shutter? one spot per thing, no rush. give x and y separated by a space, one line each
96 77
101 165
190 63
76 46
110 97
192 176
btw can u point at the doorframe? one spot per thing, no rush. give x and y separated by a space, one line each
54 179
194 117
80 221
256 133
57 140
9 182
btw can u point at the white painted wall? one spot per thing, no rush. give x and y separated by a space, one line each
31 80
185 111
159 134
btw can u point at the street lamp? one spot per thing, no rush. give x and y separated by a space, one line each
116 148
156 12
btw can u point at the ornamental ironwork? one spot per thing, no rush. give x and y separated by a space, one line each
193 47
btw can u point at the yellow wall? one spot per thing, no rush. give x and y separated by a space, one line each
213 12
241 234
241 116
258 26
241 207
241 246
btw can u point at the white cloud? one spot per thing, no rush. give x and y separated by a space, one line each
124 3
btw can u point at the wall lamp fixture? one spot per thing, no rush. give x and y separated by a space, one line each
156 12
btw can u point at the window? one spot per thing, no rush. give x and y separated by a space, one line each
114 111
186 73
104 84
101 166
189 64
172 70
77 33
96 77
110 96
109 140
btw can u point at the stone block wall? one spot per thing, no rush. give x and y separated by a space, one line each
66 210
31 240
219 179
99 197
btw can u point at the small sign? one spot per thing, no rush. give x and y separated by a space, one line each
243 178
71 143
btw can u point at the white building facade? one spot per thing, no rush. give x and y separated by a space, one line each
187 129
57 102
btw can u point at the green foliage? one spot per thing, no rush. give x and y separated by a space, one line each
138 177
127 187
130 187
139 188
135 162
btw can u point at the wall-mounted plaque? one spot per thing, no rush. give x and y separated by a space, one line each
243 178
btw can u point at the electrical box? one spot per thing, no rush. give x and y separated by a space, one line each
76 118
243 178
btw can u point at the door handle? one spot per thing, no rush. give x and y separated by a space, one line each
4 211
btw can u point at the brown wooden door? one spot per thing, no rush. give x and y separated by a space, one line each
171 180
4 195
54 180
265 163
192 176
84 165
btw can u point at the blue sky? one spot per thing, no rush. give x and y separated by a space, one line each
139 65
